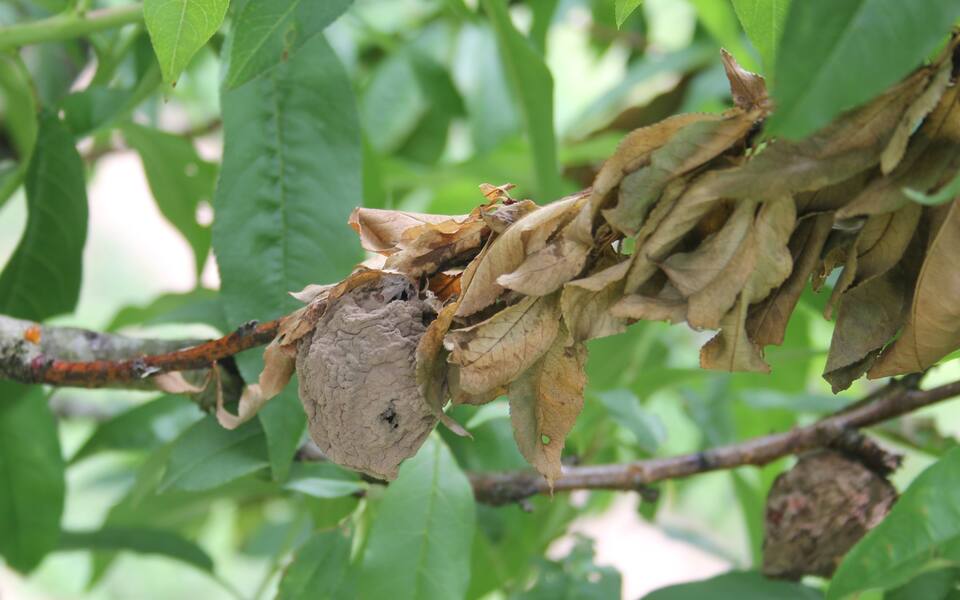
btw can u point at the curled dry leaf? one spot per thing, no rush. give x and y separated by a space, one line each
382 231
544 404
933 155
507 252
493 352
691 147
279 362
917 111
544 271
586 303
432 368
767 321
732 349
748 89
174 382
932 329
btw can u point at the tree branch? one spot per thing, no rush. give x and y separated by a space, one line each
896 399
68 25
66 356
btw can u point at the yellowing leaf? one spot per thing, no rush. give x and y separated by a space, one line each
493 352
932 329
544 403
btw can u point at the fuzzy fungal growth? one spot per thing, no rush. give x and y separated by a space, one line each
357 378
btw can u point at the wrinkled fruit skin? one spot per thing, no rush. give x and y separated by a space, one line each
818 510
357 378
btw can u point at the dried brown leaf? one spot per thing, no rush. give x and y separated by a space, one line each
431 370
850 144
691 271
920 108
382 231
586 303
731 349
767 321
544 404
868 316
279 363
748 89
493 352
691 147
173 382
879 246
932 156
546 270
507 252
932 329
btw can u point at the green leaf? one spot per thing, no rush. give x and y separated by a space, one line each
32 472
141 540
933 585
624 8
743 585
836 55
576 577
947 193
268 33
921 533
180 181
42 278
89 110
143 427
284 423
420 539
763 21
178 28
198 306
720 20
206 455
481 80
323 480
291 175
533 86
18 110
624 407
319 569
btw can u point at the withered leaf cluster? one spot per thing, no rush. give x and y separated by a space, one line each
695 219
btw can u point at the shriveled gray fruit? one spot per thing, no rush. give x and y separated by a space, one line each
818 510
357 378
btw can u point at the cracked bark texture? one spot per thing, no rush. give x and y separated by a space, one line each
357 379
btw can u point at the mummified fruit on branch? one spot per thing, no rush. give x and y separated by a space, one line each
357 377
818 510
